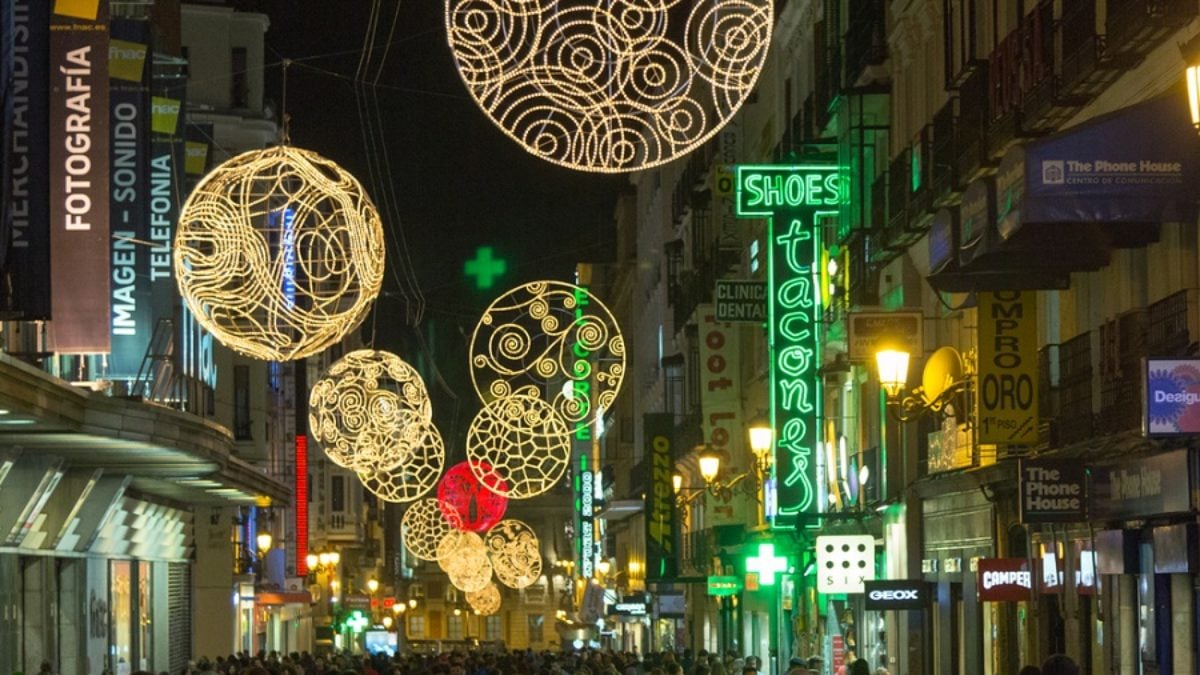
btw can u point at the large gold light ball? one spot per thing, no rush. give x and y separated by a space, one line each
425 525
550 340
609 86
369 411
523 441
487 601
415 476
513 548
279 253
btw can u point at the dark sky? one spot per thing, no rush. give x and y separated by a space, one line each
460 183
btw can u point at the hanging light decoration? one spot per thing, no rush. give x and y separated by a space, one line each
549 339
609 86
415 476
477 507
513 548
523 441
279 253
485 602
424 526
464 559
369 411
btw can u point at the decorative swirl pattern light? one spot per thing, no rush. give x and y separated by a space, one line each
369 411
514 551
524 441
279 253
609 86
549 337
485 602
464 559
415 476
424 527
477 507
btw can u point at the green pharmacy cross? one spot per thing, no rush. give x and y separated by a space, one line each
766 563
485 268
357 622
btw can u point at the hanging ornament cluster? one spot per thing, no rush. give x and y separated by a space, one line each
475 506
545 357
485 602
513 549
609 86
279 253
425 525
463 557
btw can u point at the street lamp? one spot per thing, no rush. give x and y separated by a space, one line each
893 370
762 439
947 373
372 586
264 542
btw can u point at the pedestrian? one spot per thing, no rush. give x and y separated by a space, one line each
859 667
1060 664
797 666
1030 670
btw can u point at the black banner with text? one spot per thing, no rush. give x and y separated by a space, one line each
661 552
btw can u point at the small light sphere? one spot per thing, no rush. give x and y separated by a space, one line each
416 476
464 558
279 253
515 552
485 602
423 527
477 506
369 411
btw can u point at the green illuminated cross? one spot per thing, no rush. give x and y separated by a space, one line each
766 563
357 622
485 268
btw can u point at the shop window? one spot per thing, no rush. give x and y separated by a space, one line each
536 622
492 629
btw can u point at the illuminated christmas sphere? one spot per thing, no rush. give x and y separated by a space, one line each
487 601
607 86
523 441
549 339
424 526
513 548
279 253
464 559
369 411
415 476
477 507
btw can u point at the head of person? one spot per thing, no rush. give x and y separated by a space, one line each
1060 664
859 667
1030 670
749 670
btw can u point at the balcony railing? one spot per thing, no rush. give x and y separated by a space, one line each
1137 26
1075 418
866 38
1171 325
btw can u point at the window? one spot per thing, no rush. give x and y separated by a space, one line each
454 627
239 89
337 494
416 626
536 622
492 629
241 404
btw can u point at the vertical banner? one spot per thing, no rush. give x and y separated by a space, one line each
25 194
1008 368
586 455
721 408
129 101
584 483
166 184
796 200
79 171
661 561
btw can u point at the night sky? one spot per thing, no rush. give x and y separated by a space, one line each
460 182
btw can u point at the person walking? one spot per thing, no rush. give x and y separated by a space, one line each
1060 664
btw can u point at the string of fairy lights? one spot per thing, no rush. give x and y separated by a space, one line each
280 253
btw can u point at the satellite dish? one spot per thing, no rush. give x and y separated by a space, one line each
943 369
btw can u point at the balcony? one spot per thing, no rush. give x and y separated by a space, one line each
1171 325
943 170
971 139
877 250
1085 70
1122 348
1137 26
866 39
1075 419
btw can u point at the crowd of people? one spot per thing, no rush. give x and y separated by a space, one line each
529 662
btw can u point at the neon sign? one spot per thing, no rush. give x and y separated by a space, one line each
795 200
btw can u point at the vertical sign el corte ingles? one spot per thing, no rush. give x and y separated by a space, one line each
1008 368
79 261
658 429
795 200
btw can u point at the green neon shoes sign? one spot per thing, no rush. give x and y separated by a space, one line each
796 200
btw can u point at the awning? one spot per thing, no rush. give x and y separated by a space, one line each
1114 178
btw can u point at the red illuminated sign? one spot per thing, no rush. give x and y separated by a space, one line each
301 492
1004 579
